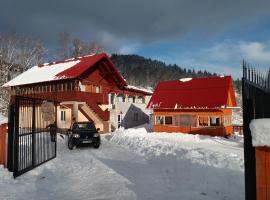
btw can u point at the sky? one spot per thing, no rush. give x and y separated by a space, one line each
213 35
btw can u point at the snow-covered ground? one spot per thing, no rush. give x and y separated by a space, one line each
135 164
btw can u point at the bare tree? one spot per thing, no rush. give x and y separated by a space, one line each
78 47
17 54
64 45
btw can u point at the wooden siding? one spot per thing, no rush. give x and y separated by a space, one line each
212 131
263 173
220 130
3 133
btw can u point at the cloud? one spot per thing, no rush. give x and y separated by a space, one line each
223 57
255 51
252 51
146 21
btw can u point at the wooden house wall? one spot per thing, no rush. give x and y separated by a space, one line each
209 130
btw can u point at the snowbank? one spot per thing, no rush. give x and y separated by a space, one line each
260 131
3 120
204 150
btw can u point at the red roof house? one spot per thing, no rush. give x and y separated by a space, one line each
199 105
88 85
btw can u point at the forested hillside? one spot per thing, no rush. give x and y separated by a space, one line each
146 72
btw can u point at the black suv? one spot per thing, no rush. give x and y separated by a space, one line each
83 133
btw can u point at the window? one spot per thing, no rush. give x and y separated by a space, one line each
63 115
111 98
203 121
159 120
121 98
98 89
140 100
214 121
131 99
168 120
136 116
186 120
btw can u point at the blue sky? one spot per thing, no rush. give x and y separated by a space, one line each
212 35
222 52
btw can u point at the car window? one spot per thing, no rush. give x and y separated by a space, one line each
88 126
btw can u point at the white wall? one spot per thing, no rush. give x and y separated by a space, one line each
128 110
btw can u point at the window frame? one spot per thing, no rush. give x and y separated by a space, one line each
63 115
161 120
168 116
217 116
208 120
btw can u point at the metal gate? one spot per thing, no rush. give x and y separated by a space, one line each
32 131
256 104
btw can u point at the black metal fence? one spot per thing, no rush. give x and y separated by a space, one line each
256 104
32 134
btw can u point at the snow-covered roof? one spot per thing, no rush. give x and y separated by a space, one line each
260 131
139 89
3 119
70 68
39 74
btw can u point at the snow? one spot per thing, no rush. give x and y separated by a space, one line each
136 164
139 88
196 148
237 112
38 74
185 79
3 119
260 132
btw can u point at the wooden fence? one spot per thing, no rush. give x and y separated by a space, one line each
3 152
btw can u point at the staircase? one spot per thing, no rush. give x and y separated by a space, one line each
90 114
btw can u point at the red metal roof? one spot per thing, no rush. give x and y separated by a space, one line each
211 92
87 62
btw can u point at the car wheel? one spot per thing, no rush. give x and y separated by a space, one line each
96 145
70 144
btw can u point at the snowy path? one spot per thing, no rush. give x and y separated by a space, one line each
114 172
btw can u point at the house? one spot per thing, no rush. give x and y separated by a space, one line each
198 106
86 88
